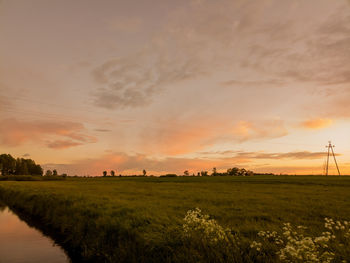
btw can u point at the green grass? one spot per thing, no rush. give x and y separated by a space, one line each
140 219
30 178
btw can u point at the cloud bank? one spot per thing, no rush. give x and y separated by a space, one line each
55 135
261 44
134 164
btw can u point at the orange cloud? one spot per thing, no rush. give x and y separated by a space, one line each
180 137
264 155
317 124
56 135
134 164
245 130
62 144
289 155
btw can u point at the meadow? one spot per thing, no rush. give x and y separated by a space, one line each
140 219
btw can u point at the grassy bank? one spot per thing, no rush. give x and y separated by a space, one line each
30 178
140 219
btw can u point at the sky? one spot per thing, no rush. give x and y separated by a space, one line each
169 86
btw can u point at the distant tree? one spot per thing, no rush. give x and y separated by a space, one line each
25 169
18 166
214 172
21 167
8 164
198 174
112 173
48 173
233 171
239 172
249 173
144 172
104 173
37 170
204 173
54 172
186 173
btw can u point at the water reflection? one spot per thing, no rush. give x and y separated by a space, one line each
20 243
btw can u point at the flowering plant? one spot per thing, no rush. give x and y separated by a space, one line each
294 246
201 226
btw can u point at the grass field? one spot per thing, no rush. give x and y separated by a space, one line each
140 219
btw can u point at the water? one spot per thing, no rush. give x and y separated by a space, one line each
20 243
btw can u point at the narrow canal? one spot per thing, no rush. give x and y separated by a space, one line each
20 243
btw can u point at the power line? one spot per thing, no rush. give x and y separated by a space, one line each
330 150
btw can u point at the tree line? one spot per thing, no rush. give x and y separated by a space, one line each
235 171
19 166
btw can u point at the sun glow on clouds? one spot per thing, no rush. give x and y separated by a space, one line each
181 137
15 133
133 164
193 76
317 124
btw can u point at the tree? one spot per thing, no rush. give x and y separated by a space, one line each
112 173
8 164
21 167
54 172
214 172
249 173
37 170
186 173
233 171
144 172
204 173
48 173
104 173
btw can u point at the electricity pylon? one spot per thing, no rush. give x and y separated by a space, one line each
330 148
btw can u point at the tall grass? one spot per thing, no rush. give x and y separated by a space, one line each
141 219
30 178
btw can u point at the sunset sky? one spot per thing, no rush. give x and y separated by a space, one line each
168 86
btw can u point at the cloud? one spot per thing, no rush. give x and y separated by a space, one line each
5 103
184 136
125 83
290 155
14 133
182 51
245 130
249 83
102 130
134 164
317 124
63 144
125 24
249 156
250 40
